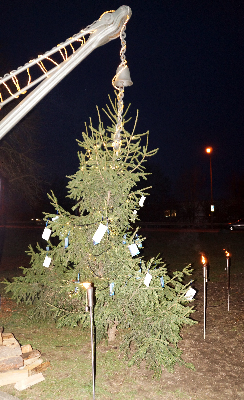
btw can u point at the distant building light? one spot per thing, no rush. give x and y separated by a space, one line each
170 213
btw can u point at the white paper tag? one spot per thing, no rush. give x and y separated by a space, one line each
147 279
54 218
134 212
133 249
47 262
98 235
46 233
190 293
141 202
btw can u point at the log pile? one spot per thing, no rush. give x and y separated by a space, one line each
19 364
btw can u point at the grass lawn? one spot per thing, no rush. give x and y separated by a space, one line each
70 374
68 350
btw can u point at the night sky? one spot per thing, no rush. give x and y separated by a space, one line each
186 60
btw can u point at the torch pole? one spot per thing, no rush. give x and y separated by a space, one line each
228 256
90 304
92 350
89 307
228 281
205 279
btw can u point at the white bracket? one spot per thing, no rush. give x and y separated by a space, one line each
102 31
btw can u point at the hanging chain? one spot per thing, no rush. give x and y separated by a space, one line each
120 89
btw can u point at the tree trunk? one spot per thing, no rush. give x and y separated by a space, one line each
112 331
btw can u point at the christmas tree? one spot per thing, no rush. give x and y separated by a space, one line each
98 241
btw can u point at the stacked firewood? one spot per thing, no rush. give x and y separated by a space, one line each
19 364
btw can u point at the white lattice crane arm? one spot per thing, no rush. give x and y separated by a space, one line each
102 31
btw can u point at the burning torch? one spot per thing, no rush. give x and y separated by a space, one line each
228 256
205 279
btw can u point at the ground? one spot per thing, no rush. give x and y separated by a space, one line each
218 359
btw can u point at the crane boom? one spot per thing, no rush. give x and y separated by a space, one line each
105 29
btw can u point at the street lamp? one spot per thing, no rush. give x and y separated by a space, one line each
209 151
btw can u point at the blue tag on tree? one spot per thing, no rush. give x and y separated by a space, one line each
111 289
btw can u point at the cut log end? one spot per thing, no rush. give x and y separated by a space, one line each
26 348
30 381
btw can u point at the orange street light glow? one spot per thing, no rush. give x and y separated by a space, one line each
209 150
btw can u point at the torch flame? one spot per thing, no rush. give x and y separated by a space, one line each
203 259
226 253
86 285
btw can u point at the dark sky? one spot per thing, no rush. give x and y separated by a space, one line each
186 60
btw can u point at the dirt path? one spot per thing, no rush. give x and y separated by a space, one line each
219 359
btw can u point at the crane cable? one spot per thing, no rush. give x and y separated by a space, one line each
120 91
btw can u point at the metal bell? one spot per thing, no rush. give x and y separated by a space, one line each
123 77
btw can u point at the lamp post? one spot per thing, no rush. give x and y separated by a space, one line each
209 151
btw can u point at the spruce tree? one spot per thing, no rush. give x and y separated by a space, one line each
133 295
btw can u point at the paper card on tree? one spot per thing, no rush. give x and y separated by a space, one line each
162 281
54 218
147 279
134 212
47 262
190 293
141 202
98 235
46 233
133 249
66 242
